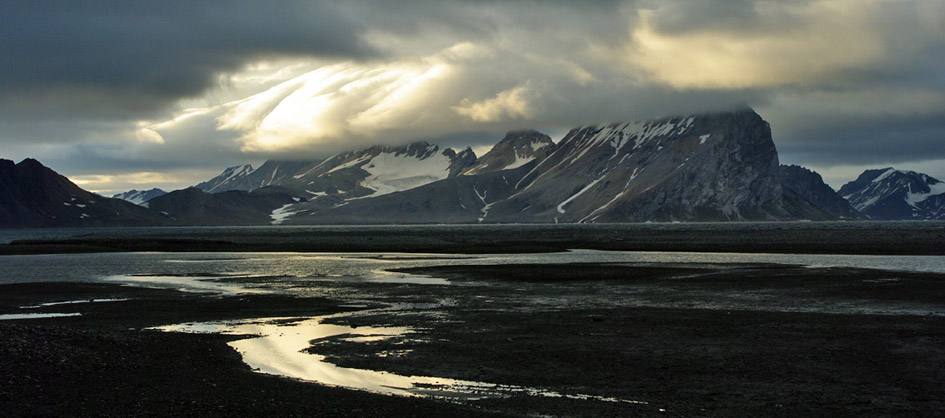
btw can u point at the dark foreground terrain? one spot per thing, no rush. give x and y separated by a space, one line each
680 340
918 238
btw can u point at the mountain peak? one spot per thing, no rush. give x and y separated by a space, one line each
30 163
891 194
227 179
516 149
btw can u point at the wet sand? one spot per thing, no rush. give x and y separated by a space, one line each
103 364
686 340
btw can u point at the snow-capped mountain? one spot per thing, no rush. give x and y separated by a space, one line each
377 171
139 196
515 150
890 194
711 167
720 166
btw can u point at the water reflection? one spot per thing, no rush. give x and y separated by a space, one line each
186 268
279 346
73 302
186 283
8 317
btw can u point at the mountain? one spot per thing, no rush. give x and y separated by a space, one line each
515 150
378 170
890 194
193 206
139 197
709 167
34 196
244 177
806 190
229 177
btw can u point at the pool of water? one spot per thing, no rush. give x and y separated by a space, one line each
279 346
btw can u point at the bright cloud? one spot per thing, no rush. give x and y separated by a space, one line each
513 103
826 37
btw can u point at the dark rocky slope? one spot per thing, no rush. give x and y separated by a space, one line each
34 196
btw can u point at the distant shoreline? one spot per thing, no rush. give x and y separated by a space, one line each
868 238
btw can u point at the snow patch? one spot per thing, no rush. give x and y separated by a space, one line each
519 161
576 195
484 212
279 215
703 138
934 189
536 145
391 173
351 163
883 176
274 171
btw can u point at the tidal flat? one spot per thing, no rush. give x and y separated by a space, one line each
574 333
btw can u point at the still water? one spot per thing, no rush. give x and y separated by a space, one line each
195 271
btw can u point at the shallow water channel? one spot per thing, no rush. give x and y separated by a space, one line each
279 346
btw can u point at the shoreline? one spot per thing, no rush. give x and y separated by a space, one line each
797 238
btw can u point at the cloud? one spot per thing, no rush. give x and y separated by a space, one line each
732 44
513 103
124 87
121 57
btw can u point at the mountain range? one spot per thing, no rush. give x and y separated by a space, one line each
138 197
707 167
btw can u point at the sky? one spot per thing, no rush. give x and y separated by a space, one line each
119 94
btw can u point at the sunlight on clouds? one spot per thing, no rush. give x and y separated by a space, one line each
401 98
334 102
144 134
838 35
513 103
105 183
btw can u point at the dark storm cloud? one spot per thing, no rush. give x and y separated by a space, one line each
842 81
865 140
134 56
733 16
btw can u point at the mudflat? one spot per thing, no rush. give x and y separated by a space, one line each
661 339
